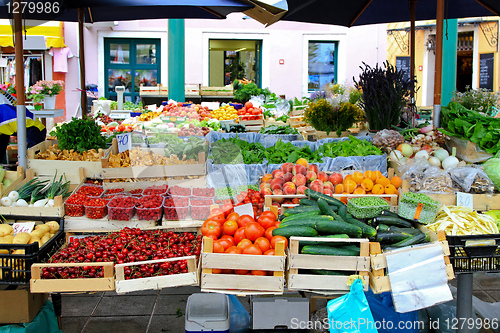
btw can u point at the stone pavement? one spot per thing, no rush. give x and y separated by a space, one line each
163 311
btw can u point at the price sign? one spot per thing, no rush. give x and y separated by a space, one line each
23 227
465 200
245 209
124 142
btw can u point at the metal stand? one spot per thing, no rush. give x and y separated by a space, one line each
464 301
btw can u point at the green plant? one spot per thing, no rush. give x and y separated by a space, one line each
324 116
80 135
385 92
480 100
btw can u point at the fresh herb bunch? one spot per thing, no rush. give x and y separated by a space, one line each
188 149
244 92
351 147
481 100
274 129
283 152
80 135
385 93
236 151
323 116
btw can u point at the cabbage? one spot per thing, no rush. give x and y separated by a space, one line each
492 169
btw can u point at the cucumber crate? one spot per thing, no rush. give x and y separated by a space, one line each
298 264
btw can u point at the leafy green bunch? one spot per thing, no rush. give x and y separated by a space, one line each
80 135
236 151
351 147
481 100
323 116
283 152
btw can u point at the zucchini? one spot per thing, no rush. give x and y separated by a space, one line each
295 231
367 230
417 239
326 209
391 221
382 227
411 231
313 242
316 195
338 227
301 215
391 237
343 212
327 272
306 221
386 212
307 202
299 209
328 250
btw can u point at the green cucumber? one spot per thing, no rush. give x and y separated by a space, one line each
420 238
326 209
299 209
316 195
306 221
328 250
391 221
382 227
343 212
327 272
295 231
301 215
307 202
338 227
411 231
386 212
391 237
313 242
367 230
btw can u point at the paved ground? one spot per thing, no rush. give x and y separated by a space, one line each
163 311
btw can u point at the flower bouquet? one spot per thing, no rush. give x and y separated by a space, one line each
46 91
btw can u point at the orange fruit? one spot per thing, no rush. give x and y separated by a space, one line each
383 181
347 177
359 190
370 174
358 177
349 185
378 189
339 188
396 181
378 174
367 183
344 199
390 189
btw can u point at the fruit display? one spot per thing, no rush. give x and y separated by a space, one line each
192 111
147 116
126 246
114 127
225 112
249 112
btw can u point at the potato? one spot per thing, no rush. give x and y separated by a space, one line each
6 239
43 227
34 239
44 239
53 225
21 238
5 229
37 233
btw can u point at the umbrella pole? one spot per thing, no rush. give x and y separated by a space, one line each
439 63
83 93
21 109
412 58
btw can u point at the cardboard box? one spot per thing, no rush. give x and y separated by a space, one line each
19 305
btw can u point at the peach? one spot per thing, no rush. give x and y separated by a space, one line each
299 169
299 179
279 174
287 167
266 191
328 185
277 183
289 188
267 178
288 176
311 176
301 189
313 167
336 178
274 172
322 176
317 186
327 191
302 161
278 192
264 185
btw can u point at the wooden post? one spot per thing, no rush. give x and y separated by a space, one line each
83 93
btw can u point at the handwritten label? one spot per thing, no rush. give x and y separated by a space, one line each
23 227
465 200
245 209
124 142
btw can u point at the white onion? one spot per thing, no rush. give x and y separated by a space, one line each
13 195
441 154
21 203
406 149
435 161
422 154
451 161
6 201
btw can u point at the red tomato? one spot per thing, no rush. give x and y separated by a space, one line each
266 222
269 214
229 238
211 228
253 230
252 249
244 219
226 243
261 273
233 250
278 239
219 218
239 235
218 247
269 233
241 271
229 227
269 252
248 105
233 216
263 243
245 242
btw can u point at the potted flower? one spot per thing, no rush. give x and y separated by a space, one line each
49 90
34 93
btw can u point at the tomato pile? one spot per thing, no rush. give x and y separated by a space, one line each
249 112
125 246
237 234
149 207
244 197
117 129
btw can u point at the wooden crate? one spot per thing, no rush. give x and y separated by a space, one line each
323 135
15 176
181 224
156 282
158 90
84 224
56 211
39 285
242 284
268 123
192 89
296 121
298 110
217 91
247 123
253 129
181 170
379 281
71 169
300 281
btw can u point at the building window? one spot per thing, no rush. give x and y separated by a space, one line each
322 64
130 63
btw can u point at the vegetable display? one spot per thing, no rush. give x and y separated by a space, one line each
36 193
236 151
351 147
80 135
459 221
41 234
286 152
274 129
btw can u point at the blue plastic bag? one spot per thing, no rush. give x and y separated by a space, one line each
350 313
387 319
239 320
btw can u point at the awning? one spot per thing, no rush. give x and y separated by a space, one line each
52 31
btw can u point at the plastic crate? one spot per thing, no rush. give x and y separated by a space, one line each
467 258
356 210
176 213
15 269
